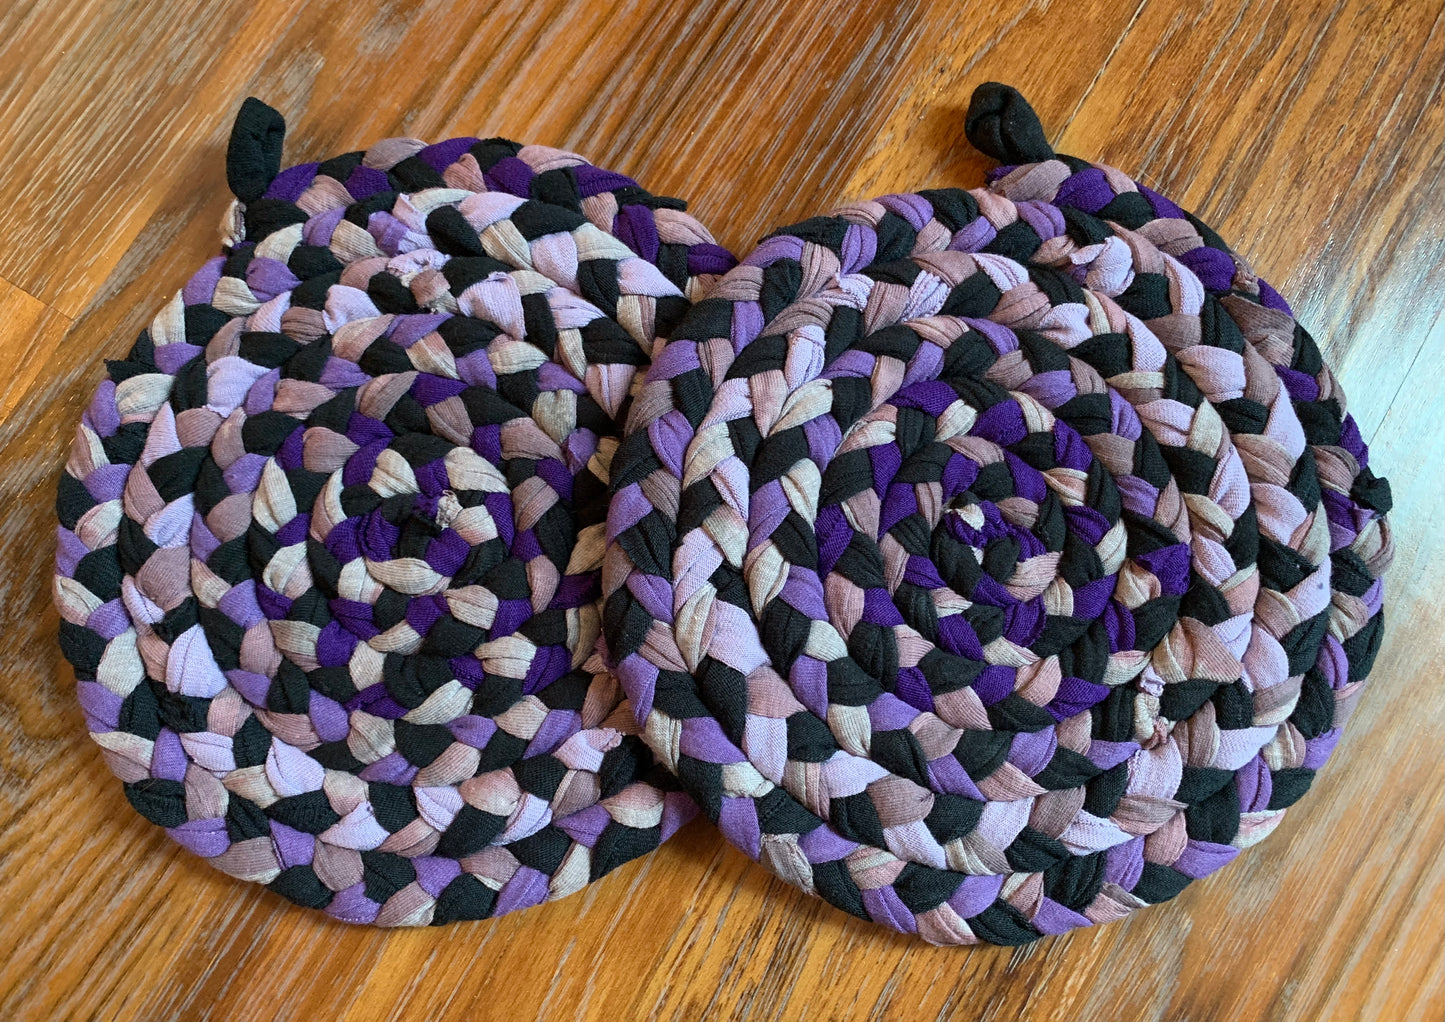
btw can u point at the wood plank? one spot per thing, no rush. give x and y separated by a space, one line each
1307 131
36 329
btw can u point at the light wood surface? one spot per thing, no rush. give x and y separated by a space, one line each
1307 131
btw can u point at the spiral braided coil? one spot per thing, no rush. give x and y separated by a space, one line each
994 562
330 535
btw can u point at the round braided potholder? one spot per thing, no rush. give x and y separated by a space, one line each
994 562
330 535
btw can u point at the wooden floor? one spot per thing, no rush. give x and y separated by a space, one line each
1307 131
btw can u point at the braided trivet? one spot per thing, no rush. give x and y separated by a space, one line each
330 534
992 563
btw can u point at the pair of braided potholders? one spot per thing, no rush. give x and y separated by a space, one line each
989 563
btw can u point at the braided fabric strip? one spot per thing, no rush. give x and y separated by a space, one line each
330 536
994 562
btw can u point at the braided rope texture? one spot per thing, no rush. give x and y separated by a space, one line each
331 534
994 562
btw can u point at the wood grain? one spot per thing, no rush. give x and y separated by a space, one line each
1307 131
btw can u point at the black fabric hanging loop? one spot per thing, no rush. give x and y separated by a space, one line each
253 156
1001 123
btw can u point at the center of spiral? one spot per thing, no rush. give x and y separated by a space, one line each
447 509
